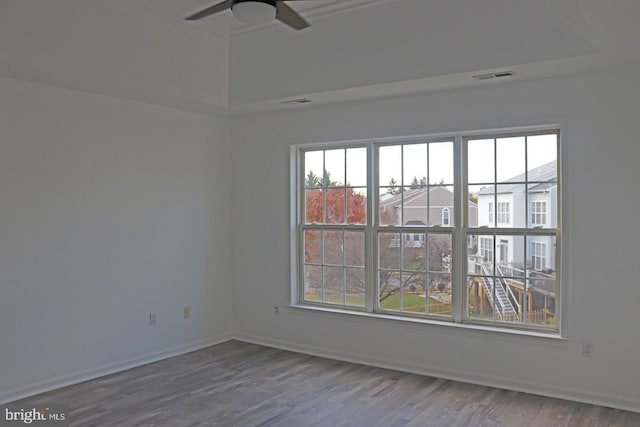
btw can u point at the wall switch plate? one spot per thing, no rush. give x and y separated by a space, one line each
187 312
276 310
152 319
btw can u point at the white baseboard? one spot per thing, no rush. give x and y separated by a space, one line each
461 376
78 377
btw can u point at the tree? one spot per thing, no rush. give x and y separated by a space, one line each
391 282
355 209
312 180
326 179
332 205
437 251
335 205
415 184
393 187
418 183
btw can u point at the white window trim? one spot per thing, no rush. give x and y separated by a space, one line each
461 214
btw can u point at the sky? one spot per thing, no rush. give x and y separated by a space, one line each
435 160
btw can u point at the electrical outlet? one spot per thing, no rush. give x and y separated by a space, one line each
587 349
186 312
276 310
152 319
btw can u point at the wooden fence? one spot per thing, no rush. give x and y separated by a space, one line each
538 317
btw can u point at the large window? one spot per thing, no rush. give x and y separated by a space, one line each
407 228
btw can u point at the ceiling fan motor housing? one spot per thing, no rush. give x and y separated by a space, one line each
271 2
254 12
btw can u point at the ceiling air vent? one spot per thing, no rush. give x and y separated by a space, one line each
498 75
296 101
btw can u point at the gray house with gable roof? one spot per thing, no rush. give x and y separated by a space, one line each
524 201
432 205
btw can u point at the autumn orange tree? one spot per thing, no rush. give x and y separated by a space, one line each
327 202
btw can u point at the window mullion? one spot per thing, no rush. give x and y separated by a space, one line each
371 244
460 219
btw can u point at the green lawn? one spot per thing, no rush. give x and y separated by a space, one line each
411 302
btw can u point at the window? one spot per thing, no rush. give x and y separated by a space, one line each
538 255
384 228
511 172
504 215
333 230
486 249
446 217
503 250
539 213
414 181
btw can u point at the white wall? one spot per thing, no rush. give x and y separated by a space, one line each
109 210
114 47
601 149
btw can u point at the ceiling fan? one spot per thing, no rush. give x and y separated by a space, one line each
256 12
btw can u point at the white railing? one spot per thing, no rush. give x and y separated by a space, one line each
508 289
501 296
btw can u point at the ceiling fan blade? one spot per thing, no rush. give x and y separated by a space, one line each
212 10
290 17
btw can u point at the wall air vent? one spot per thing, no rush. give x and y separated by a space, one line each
296 101
498 75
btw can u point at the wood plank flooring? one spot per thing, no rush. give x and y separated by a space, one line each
240 384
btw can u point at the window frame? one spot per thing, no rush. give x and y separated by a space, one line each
459 229
525 231
302 226
426 230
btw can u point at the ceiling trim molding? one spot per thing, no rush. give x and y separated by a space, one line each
141 7
335 7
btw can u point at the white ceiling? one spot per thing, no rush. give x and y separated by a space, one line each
113 48
398 41
354 49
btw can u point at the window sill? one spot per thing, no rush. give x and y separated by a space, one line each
441 323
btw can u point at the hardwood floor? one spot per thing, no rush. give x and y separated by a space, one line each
240 384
